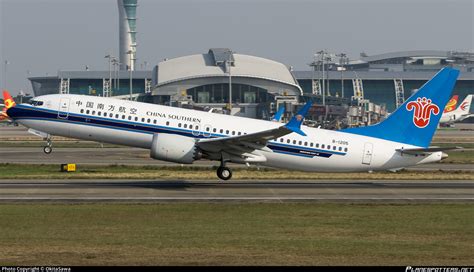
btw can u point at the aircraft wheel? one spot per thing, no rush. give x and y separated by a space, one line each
224 173
48 149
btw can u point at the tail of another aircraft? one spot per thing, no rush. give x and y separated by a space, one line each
451 104
9 103
416 120
465 106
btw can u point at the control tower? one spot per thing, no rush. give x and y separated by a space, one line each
127 33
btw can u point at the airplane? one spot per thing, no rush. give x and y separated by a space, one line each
3 113
459 114
184 136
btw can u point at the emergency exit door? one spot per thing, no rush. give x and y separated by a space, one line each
367 157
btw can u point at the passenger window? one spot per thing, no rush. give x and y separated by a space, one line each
148 120
334 148
345 149
233 132
154 121
129 117
99 113
329 147
136 118
281 140
117 116
179 124
111 115
82 110
143 120
185 125
222 131
227 132
214 130
240 133
208 129
299 142
87 111
167 123
123 117
340 148
311 144
93 112
105 114
288 141
305 143
294 141
322 146
190 126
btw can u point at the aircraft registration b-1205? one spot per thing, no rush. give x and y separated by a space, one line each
184 136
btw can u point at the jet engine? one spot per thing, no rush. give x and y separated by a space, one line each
174 148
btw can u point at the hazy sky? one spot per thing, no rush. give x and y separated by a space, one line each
40 37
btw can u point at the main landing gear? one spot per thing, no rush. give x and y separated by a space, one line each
49 146
224 172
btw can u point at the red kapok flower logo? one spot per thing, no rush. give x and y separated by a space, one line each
422 108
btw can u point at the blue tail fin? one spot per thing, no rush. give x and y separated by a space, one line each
416 120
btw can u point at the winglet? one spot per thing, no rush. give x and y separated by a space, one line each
278 114
296 121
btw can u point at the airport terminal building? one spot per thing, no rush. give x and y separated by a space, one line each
257 83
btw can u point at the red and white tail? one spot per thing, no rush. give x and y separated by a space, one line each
465 106
9 103
451 104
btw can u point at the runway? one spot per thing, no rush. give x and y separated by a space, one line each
136 156
235 191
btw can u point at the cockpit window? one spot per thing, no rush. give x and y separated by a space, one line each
36 103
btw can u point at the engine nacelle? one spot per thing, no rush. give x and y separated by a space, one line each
174 148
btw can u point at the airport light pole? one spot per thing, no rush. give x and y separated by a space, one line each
322 55
230 86
130 52
342 60
110 57
115 64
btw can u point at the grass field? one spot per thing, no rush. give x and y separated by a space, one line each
27 171
460 156
237 234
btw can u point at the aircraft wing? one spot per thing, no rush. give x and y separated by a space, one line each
257 140
419 151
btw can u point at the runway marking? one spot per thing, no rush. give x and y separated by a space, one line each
233 198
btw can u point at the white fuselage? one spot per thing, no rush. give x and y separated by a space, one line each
454 117
133 124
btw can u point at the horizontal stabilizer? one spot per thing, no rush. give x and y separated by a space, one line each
418 151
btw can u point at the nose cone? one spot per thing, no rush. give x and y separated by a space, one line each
444 156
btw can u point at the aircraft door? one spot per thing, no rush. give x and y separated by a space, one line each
367 156
63 111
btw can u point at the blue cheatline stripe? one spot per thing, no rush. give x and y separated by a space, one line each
310 149
80 119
